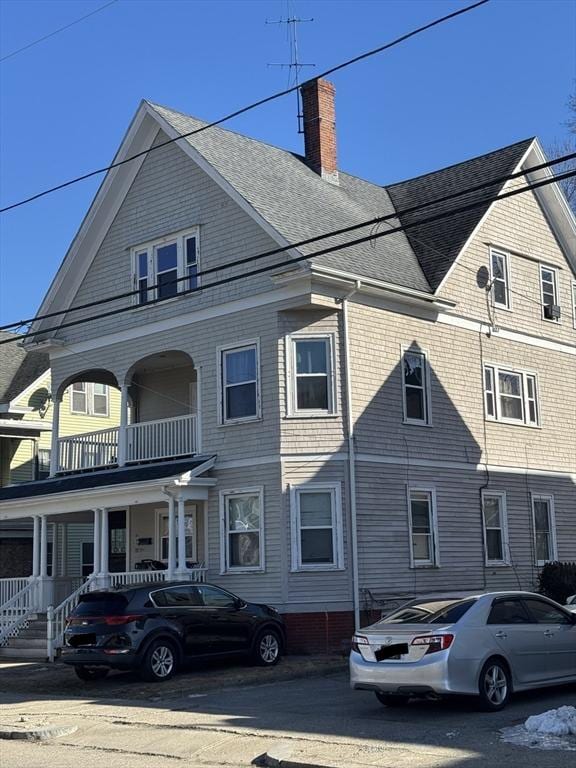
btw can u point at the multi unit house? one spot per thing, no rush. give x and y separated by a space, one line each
25 442
326 433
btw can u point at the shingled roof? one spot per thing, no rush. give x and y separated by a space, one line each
18 368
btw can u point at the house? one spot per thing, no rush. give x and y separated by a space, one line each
334 433
25 440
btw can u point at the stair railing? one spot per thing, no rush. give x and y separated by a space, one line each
15 613
56 617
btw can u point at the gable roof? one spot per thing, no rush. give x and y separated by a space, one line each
19 368
439 243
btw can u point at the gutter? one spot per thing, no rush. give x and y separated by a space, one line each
351 457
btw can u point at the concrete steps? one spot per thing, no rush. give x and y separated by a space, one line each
30 643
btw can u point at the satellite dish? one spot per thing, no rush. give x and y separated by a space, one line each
482 277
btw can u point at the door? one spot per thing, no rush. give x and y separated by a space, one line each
515 633
230 626
117 541
557 637
182 607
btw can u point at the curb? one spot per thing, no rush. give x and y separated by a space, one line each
38 734
279 756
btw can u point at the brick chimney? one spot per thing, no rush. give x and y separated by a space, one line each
320 128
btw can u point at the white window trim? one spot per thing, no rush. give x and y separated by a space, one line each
189 511
89 395
554 271
427 421
224 538
503 527
550 498
523 373
292 410
221 389
506 256
573 297
335 489
435 562
150 247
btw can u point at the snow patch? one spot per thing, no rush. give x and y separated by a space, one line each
555 722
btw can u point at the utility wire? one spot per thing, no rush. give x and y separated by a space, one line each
331 249
333 233
56 31
243 110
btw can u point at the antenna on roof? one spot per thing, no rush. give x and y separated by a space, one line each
295 65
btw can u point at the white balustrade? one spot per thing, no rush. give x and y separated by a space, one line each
9 587
161 439
16 611
88 450
56 617
127 578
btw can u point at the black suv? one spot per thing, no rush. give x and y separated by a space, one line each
155 627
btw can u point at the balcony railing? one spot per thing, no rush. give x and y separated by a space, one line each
145 441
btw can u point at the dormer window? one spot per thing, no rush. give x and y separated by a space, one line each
500 278
165 264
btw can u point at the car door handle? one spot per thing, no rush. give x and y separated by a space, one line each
549 633
501 635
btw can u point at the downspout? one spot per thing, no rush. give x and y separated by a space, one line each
351 457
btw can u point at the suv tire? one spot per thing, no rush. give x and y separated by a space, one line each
267 648
159 662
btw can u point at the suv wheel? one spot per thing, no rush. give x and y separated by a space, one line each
391 699
268 648
494 685
91 673
159 662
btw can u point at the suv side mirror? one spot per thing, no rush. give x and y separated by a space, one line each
240 604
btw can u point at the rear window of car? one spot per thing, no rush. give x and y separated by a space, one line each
431 612
102 604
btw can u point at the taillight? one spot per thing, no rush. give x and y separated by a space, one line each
434 642
357 641
114 621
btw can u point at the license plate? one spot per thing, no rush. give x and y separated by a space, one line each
393 652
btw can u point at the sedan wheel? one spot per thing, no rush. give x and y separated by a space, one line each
494 685
268 649
159 662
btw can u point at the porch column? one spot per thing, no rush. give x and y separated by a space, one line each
104 543
45 598
171 538
122 432
54 459
97 543
36 547
181 537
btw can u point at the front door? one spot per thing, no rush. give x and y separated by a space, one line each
117 541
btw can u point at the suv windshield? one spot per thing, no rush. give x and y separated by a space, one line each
446 611
100 604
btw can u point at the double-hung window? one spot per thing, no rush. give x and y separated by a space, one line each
511 396
549 293
166 267
239 383
415 388
90 398
242 535
544 528
495 528
423 527
500 279
316 521
311 386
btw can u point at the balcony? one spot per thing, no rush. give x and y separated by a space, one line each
139 442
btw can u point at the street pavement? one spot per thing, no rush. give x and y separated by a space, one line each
315 720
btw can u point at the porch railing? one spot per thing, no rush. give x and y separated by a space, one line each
56 617
148 577
145 441
9 587
16 611
161 439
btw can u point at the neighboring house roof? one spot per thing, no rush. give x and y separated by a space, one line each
19 368
438 243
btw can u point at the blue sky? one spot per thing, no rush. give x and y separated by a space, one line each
489 78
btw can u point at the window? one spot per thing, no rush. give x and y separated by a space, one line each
422 522
43 464
548 289
178 597
189 534
415 388
511 396
545 613
311 386
544 532
316 519
240 386
87 558
166 263
212 597
495 530
508 610
89 398
499 276
241 520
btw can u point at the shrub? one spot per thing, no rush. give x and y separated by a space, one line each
558 581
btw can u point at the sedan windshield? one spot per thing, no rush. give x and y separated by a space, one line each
446 611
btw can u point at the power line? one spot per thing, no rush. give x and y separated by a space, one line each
333 233
56 31
332 249
243 110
